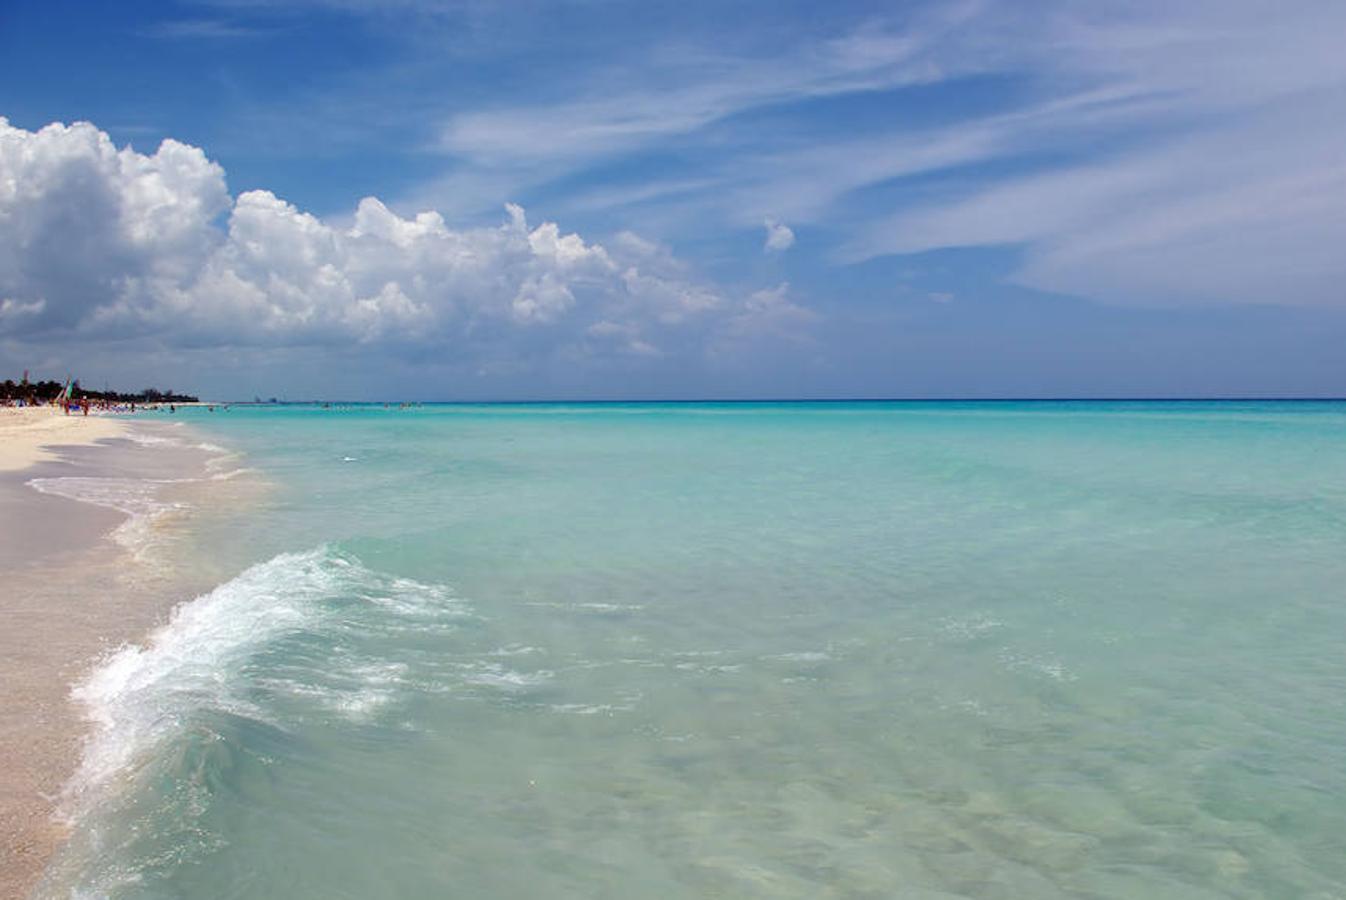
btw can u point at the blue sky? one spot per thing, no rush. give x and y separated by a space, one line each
600 199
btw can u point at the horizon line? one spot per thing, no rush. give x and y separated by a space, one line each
692 400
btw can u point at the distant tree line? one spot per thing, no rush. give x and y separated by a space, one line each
46 391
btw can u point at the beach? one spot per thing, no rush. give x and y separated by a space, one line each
70 592
28 435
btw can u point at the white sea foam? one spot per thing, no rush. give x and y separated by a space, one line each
148 439
589 709
1037 664
515 650
138 498
142 695
971 627
807 656
355 690
231 474
494 675
220 461
151 440
608 609
416 601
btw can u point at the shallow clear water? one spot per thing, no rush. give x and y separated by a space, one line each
775 650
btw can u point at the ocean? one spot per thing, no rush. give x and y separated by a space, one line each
889 649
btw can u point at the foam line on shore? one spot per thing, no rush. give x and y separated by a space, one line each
92 597
141 695
136 497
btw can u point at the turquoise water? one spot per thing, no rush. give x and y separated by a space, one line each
744 650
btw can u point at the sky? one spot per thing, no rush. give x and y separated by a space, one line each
592 199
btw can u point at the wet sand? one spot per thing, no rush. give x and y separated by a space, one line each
69 593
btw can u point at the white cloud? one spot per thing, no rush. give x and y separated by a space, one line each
83 224
673 92
779 237
12 309
666 94
769 313
1036 99
1244 213
1140 153
1178 154
99 242
626 337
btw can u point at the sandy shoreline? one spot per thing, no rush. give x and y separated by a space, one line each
29 434
71 593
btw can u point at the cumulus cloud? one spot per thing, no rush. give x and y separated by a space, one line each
769 314
625 337
779 237
11 309
107 242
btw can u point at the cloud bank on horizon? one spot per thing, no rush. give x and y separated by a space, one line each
105 243
826 180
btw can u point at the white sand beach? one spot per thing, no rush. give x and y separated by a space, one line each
27 434
68 593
